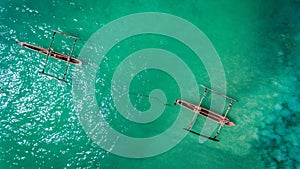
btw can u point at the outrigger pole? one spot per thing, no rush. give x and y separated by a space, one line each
64 34
211 138
219 93
222 125
195 114
49 52
68 64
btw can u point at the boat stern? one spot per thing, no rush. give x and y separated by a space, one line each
20 43
177 101
230 123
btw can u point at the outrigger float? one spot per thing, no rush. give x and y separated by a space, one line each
198 110
49 52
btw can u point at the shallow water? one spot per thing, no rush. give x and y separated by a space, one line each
258 44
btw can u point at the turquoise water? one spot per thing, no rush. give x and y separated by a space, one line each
258 44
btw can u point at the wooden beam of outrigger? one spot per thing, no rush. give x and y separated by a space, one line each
69 58
49 52
219 93
64 34
210 138
195 114
198 110
51 76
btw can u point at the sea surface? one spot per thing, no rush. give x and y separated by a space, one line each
258 43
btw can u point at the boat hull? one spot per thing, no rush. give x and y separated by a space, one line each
204 112
44 51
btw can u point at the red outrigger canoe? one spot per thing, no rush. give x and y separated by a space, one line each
199 110
50 53
54 54
205 112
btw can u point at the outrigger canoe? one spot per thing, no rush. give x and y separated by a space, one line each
206 113
52 53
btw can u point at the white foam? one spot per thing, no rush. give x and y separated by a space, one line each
278 106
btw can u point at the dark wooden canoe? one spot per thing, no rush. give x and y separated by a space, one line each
54 54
